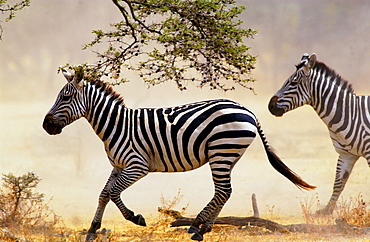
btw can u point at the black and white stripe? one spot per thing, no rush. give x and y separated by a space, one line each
345 114
176 139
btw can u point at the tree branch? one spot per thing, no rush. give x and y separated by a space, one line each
340 226
190 41
128 2
125 16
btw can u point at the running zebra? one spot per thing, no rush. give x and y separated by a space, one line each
177 139
346 115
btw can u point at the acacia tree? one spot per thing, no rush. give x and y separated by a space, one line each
9 8
185 41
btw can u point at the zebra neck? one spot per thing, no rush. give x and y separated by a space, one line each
331 97
104 113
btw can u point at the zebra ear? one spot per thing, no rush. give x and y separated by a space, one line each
67 75
312 61
304 57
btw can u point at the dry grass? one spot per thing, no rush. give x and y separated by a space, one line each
309 207
355 211
132 233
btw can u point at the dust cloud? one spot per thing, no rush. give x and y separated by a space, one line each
73 166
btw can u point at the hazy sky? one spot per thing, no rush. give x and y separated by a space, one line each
73 165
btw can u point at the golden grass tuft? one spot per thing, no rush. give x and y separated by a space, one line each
309 207
356 211
351 216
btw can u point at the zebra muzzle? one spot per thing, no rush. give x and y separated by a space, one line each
52 125
274 107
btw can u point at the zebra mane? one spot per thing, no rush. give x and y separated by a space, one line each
336 78
300 65
107 88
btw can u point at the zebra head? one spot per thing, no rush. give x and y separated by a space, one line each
294 93
69 105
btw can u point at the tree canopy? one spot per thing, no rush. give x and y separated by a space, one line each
9 8
185 41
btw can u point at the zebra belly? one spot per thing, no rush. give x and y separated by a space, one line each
158 166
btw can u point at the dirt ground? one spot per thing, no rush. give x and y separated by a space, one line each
157 231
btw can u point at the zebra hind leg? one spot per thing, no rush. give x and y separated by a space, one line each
203 223
205 227
344 168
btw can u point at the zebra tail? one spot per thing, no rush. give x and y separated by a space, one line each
278 164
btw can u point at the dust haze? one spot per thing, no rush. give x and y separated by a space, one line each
73 165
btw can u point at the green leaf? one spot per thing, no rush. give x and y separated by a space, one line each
199 41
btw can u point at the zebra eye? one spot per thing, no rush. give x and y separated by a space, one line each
294 81
66 98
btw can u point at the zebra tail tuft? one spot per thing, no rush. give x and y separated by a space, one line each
278 164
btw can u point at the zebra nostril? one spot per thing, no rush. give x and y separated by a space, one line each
47 122
272 104
49 119
49 116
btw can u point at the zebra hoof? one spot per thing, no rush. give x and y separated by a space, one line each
197 237
139 220
193 230
91 236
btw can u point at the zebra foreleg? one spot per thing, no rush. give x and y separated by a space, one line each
344 168
203 223
126 179
103 200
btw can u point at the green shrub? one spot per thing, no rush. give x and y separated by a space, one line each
21 204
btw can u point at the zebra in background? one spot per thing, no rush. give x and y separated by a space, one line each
176 139
345 114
